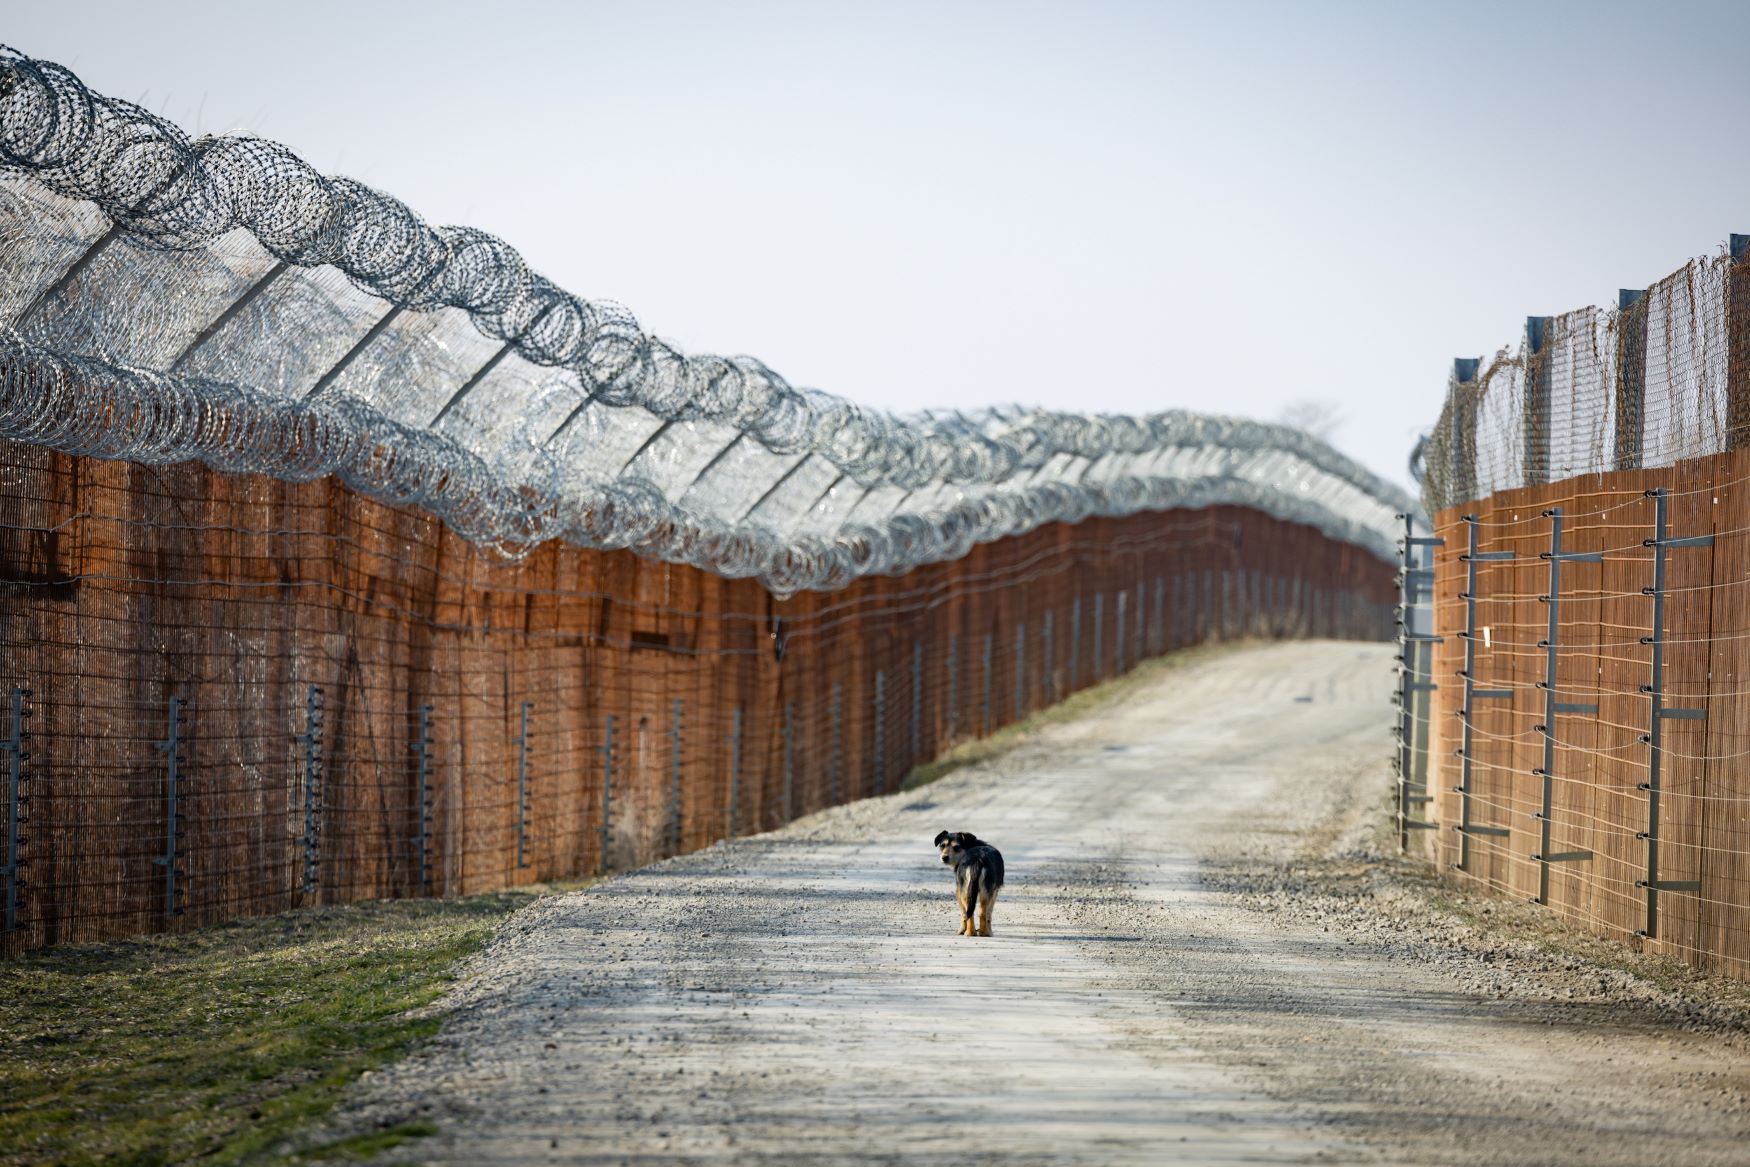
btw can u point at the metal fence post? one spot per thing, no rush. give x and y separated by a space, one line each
1465 827
1140 637
878 771
607 795
836 774
953 688
311 740
1099 620
676 752
734 769
1654 737
917 701
1075 645
522 786
421 747
1020 671
1415 584
1205 624
1161 642
173 763
1551 706
1118 632
985 704
16 801
789 734
1046 654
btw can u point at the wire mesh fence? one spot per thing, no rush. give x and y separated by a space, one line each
230 694
1649 383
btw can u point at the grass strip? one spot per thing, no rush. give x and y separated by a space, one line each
1093 699
215 1045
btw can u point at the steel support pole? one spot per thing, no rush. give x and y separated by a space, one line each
422 795
603 832
1552 705
1414 583
984 704
1654 738
676 754
1466 828
734 771
16 801
878 763
522 786
171 747
311 740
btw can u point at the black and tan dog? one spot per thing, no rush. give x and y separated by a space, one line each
978 876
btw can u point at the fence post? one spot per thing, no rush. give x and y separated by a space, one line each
953 688
522 786
1099 620
1162 642
1654 737
676 752
311 740
1466 828
1414 584
1462 437
1075 643
1046 654
1020 671
987 683
917 701
734 769
16 801
607 796
1118 632
1536 420
1551 706
789 734
1631 376
1206 626
1737 296
1140 649
878 770
838 745
422 792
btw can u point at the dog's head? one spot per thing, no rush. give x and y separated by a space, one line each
953 844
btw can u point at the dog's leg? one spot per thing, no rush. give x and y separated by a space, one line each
965 914
988 902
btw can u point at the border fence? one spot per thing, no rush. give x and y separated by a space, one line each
1575 723
230 695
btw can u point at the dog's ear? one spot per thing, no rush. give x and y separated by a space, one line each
942 838
967 839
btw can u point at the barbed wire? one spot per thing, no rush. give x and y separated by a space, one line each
165 334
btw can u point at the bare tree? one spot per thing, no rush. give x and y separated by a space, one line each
1319 416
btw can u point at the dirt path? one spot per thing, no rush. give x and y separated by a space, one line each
801 997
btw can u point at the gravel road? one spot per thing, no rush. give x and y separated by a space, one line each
1191 964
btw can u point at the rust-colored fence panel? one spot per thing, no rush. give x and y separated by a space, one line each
1649 786
363 704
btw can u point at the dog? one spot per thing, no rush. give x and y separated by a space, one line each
978 876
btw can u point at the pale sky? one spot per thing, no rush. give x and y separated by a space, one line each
1100 206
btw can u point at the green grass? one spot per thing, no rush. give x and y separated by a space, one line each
1093 699
215 1045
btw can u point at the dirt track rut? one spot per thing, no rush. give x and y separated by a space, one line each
801 997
